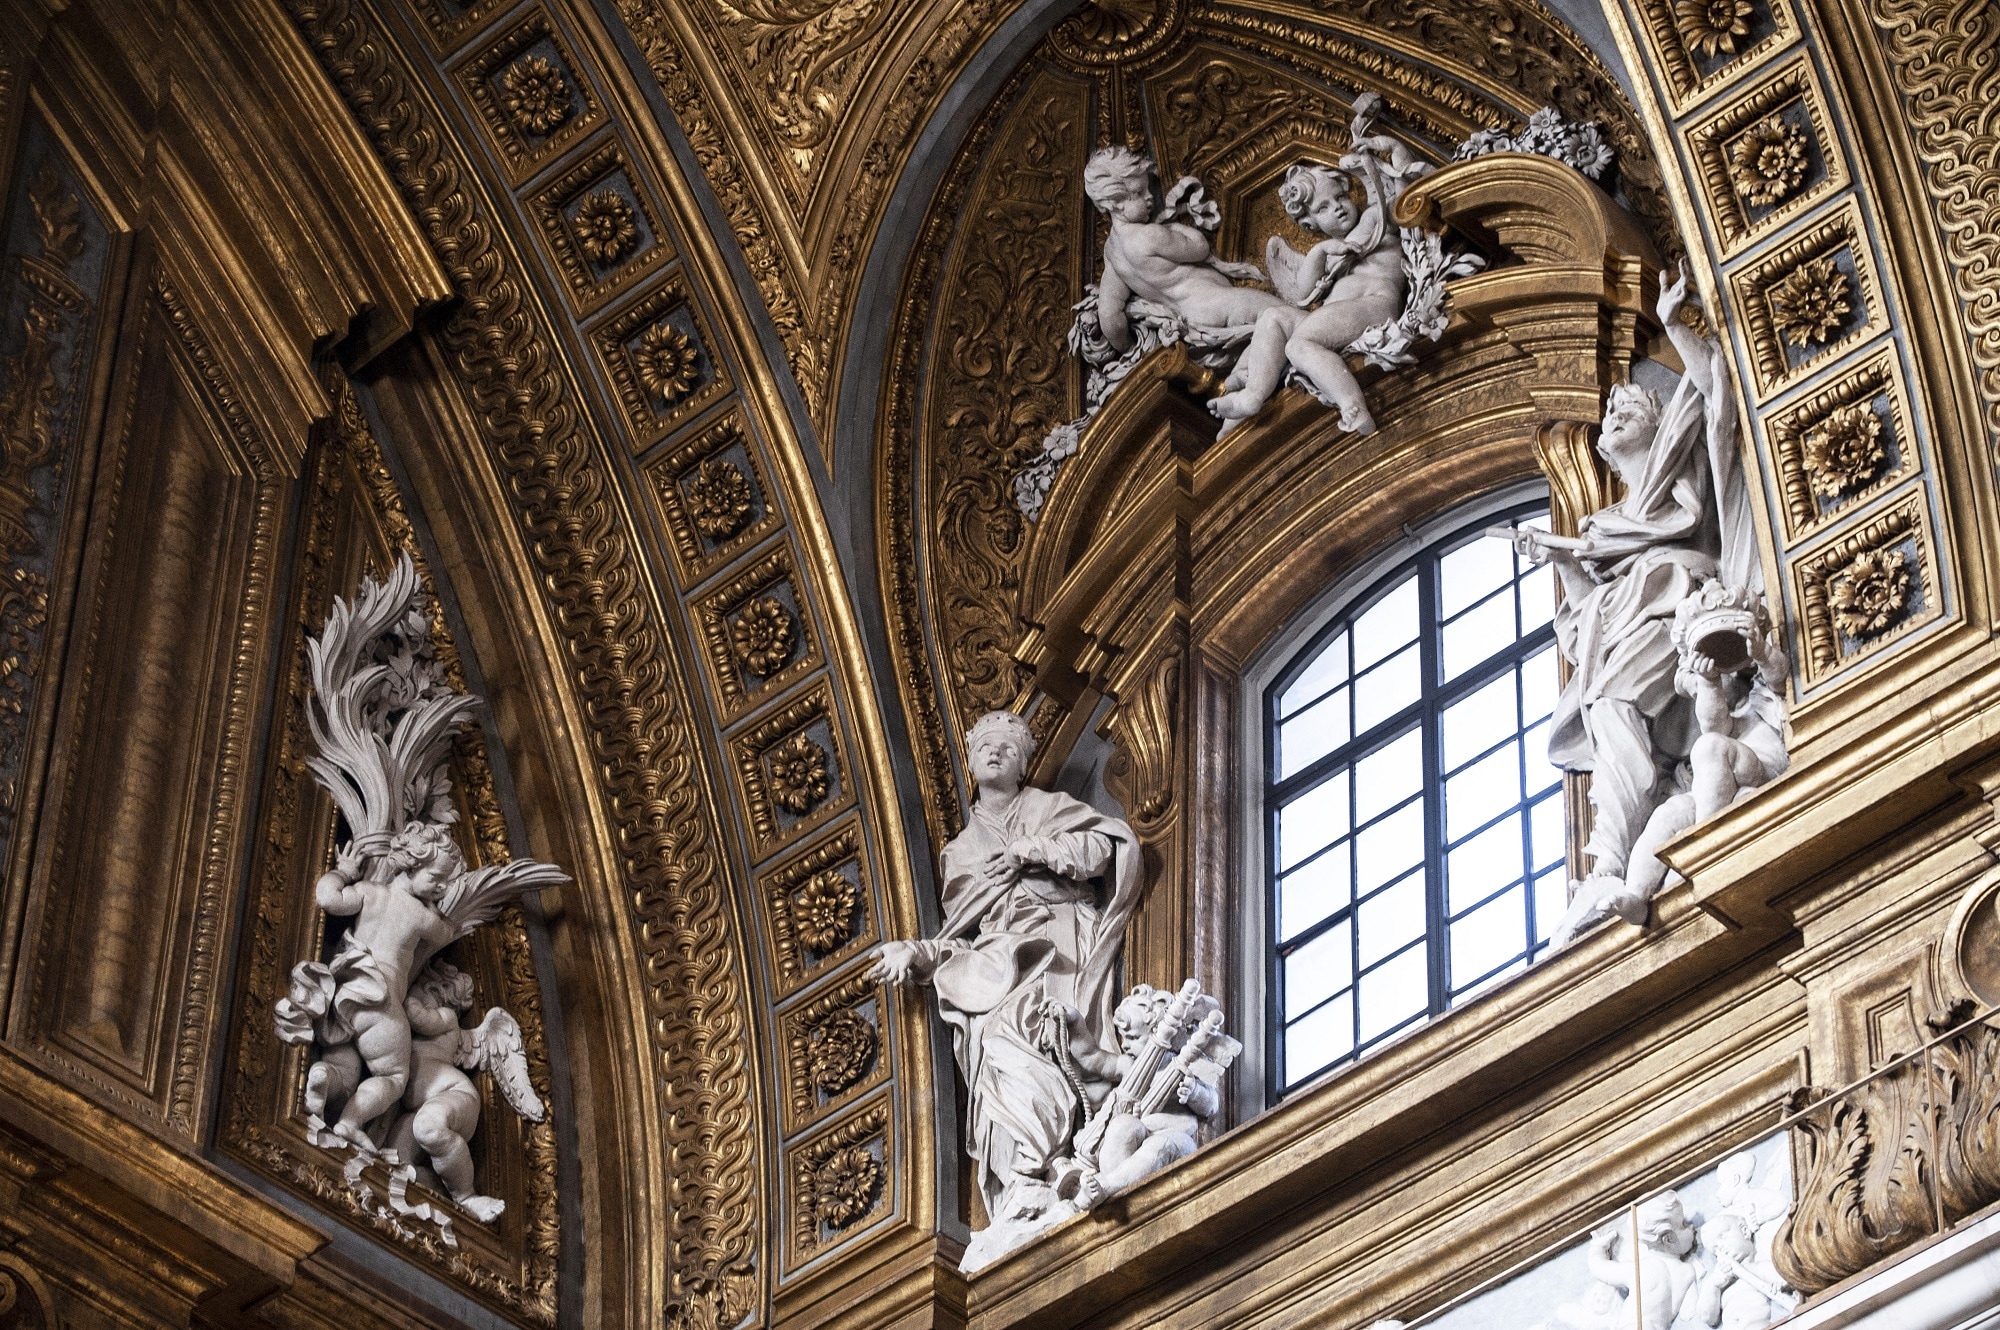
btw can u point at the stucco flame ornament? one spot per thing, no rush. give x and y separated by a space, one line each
388 1080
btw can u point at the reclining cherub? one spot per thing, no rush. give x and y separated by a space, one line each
1355 275
1154 258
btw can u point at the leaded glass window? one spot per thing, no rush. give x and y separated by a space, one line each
1416 843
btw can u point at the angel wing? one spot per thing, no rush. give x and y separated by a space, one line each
475 898
494 1045
1285 263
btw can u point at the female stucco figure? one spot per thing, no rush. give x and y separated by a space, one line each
1037 891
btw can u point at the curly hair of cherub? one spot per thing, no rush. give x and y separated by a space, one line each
444 985
1306 184
1002 724
426 845
1115 170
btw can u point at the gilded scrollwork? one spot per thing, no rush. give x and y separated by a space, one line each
660 358
1843 452
823 910
523 85
792 769
535 94
816 909
1939 54
1870 592
1842 443
562 488
1809 298
839 1180
668 363
764 634
800 774
601 225
1809 303
719 499
1768 161
606 227
834 1049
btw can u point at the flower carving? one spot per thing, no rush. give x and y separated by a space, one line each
799 774
1870 592
536 96
839 1050
1711 27
1768 161
1844 451
606 228
844 1186
1810 302
823 910
718 499
763 635
668 361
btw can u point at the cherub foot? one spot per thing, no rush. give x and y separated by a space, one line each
317 1076
485 1209
1232 409
1597 898
356 1137
1357 420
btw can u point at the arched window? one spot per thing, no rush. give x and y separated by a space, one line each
1416 845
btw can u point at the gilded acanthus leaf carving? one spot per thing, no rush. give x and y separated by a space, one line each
800 51
563 490
1883 1162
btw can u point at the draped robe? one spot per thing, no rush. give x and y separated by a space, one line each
1006 948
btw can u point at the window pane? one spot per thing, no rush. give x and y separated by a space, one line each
1319 1040
1312 891
1382 852
1329 667
1318 970
1538 685
1316 818
1478 634
1392 919
1538 598
1473 571
1389 624
1542 774
1389 775
1387 689
1312 734
1481 792
1484 864
1488 938
1550 839
1551 899
1475 724
1391 995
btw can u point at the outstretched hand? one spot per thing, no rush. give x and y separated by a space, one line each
1673 295
348 862
897 964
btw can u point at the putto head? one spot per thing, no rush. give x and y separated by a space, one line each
444 986
1116 174
1136 1015
427 856
1319 198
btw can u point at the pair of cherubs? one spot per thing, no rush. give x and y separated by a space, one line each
1350 281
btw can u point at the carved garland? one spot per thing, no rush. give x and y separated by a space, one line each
640 728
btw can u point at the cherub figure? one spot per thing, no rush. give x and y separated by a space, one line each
1152 1120
1659 1265
1152 257
384 734
441 1104
1355 276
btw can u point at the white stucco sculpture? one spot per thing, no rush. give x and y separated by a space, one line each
1162 283
1349 282
1661 703
385 1029
1037 891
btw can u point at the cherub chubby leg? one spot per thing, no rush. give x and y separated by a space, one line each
382 1038
332 1078
1317 347
441 1127
1257 371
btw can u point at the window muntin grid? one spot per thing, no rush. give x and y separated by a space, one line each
1416 835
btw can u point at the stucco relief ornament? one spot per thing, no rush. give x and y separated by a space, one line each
839 1050
1768 162
719 499
823 910
1870 593
763 636
1810 302
799 775
536 97
1844 450
668 362
387 1083
1072 1094
606 228
1547 134
1674 704
1712 27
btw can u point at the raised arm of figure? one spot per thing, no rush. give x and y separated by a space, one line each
338 891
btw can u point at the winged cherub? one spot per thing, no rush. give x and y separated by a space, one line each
383 717
1354 276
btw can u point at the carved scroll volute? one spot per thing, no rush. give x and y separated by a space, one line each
1574 297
